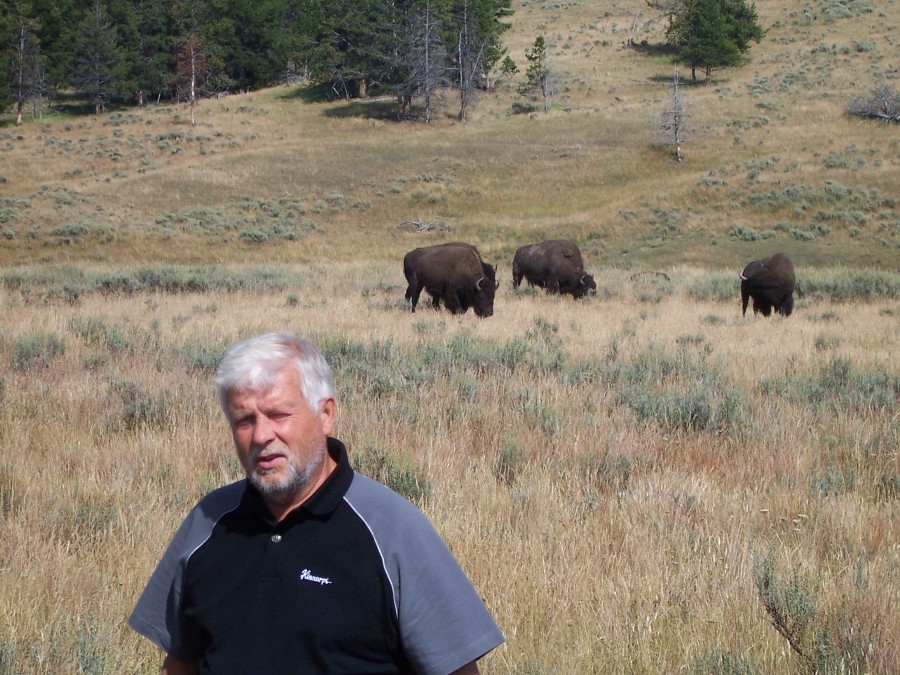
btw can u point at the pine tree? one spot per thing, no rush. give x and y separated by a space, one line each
57 27
156 48
713 34
537 76
96 71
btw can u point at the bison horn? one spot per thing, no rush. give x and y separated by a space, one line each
478 284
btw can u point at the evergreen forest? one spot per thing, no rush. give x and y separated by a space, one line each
125 52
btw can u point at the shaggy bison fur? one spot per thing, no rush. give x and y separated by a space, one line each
770 282
555 265
453 273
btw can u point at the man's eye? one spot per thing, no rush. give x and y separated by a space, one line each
243 422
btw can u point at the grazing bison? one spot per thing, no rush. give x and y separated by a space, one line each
555 266
770 282
453 273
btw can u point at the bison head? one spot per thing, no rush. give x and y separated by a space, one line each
587 282
483 300
586 285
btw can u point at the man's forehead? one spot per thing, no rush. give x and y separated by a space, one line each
284 385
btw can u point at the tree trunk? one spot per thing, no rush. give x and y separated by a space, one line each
193 84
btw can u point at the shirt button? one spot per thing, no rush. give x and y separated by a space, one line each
276 538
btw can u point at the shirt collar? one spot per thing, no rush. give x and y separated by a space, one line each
326 499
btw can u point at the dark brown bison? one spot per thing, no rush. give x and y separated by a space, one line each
770 282
453 273
555 265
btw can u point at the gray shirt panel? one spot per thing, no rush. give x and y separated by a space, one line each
155 616
443 621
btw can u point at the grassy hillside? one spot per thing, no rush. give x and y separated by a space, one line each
772 161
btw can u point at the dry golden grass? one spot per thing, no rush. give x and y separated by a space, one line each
610 545
603 541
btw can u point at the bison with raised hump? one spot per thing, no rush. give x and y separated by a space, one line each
555 265
452 273
770 282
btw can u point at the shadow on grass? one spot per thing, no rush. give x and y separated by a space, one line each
376 107
653 49
684 81
373 109
64 107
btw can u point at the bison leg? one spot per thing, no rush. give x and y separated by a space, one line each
745 296
452 303
414 292
517 276
787 306
762 306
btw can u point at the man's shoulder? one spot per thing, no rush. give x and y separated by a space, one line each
221 500
367 490
384 511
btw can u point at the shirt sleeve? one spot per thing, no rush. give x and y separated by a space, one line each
443 622
157 614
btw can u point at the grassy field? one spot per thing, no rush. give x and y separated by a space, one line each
641 482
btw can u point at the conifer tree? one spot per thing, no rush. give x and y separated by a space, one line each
96 71
713 34
537 76
57 26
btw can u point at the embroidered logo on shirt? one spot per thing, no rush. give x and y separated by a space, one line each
306 575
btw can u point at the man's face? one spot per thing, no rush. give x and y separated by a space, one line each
280 442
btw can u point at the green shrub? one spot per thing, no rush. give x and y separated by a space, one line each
681 391
608 472
36 351
716 288
98 333
509 461
397 472
717 662
791 603
131 408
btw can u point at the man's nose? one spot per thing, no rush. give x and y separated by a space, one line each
263 431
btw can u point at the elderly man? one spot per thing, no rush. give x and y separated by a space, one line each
305 566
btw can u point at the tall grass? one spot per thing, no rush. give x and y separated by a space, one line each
631 488
641 482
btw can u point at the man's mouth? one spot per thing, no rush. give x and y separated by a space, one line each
268 462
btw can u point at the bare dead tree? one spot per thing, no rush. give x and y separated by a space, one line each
881 104
673 124
26 70
191 71
421 226
425 60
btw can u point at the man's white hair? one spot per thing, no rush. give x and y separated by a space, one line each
252 365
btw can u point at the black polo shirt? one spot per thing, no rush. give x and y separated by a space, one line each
355 580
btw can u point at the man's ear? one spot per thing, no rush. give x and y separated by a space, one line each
328 415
